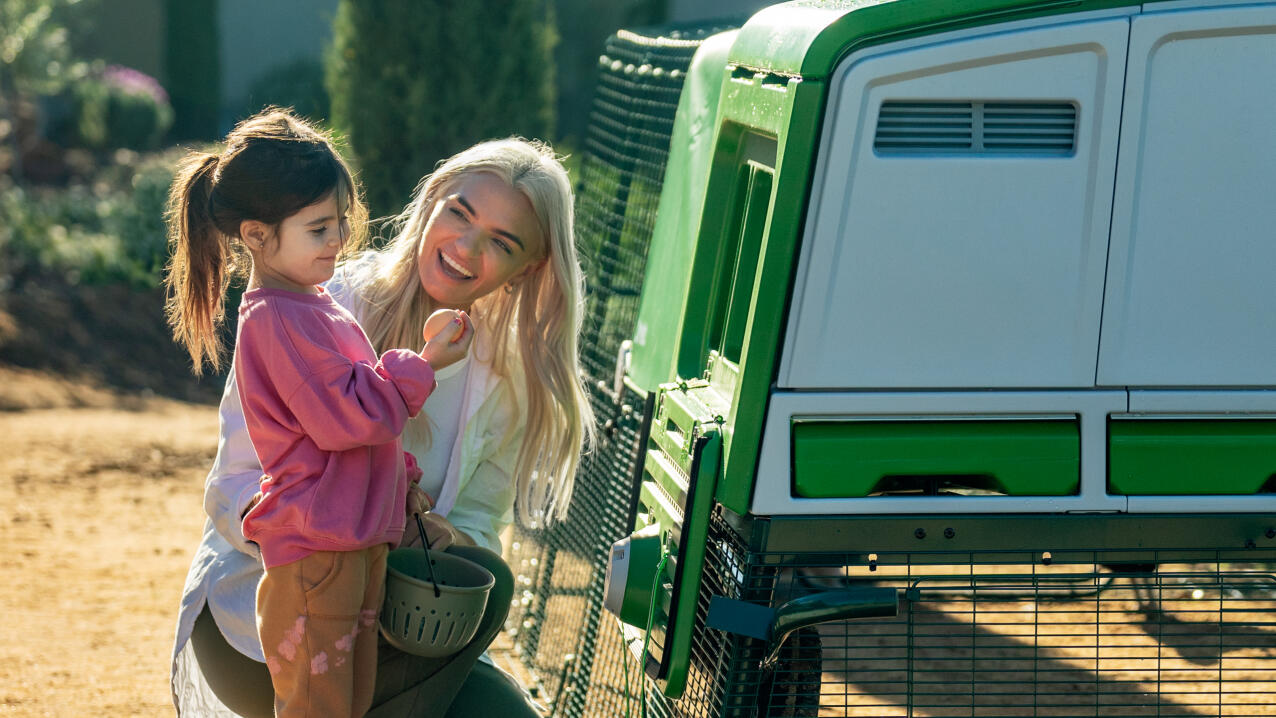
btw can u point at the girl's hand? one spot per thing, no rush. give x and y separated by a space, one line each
447 333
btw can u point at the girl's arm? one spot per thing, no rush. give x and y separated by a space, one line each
236 473
358 404
292 368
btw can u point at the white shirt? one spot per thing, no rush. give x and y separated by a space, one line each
444 419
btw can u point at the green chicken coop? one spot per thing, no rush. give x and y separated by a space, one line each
934 347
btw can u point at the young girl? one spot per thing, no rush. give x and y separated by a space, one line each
323 411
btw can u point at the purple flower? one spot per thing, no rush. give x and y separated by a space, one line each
133 81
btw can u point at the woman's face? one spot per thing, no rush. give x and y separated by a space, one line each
481 234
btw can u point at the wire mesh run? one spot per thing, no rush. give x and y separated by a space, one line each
640 78
559 630
982 636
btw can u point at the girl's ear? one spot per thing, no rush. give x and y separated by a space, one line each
254 233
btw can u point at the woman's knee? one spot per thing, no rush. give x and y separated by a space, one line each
503 588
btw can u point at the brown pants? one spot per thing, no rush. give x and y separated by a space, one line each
317 619
407 686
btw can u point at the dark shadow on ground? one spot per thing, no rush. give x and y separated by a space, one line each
112 335
954 667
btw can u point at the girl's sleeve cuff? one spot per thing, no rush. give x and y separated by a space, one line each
412 376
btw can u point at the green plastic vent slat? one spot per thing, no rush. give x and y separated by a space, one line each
1176 457
847 459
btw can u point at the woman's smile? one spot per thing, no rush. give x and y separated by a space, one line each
453 268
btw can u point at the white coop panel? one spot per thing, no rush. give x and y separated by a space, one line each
1189 293
963 194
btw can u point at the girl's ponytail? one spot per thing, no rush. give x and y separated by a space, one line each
197 274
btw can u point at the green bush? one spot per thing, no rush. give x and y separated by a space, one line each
108 230
412 83
298 84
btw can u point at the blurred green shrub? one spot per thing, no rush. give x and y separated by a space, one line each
108 230
298 84
119 107
192 67
35 59
412 83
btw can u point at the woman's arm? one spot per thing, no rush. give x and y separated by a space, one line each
236 474
485 507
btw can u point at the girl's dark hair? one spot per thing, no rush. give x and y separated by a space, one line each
274 165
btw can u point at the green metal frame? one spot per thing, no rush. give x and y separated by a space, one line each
760 114
680 469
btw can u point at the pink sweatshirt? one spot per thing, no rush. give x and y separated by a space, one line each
324 414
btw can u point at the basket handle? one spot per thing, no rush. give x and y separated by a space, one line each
425 546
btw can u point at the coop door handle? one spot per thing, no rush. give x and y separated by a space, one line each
622 368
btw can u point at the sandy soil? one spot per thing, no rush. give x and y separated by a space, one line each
100 511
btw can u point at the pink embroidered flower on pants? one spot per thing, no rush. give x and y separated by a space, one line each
319 664
292 639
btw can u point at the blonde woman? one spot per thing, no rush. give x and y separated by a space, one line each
489 233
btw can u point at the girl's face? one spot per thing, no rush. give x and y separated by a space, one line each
480 235
303 251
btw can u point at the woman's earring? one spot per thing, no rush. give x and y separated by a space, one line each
509 288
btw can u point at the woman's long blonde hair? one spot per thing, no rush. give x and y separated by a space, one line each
542 313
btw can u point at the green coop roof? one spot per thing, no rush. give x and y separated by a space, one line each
807 38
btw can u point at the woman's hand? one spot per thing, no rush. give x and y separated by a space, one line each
438 531
447 333
418 501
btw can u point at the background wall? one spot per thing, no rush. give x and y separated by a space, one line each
692 10
231 55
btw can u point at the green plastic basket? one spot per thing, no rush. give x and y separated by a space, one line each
432 619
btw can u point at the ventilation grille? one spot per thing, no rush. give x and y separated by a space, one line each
976 128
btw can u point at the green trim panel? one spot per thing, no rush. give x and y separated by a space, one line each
683 462
850 459
808 38
1150 457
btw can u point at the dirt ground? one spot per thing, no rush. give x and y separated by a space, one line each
105 440
100 511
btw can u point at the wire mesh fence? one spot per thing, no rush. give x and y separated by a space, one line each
1087 635
560 633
